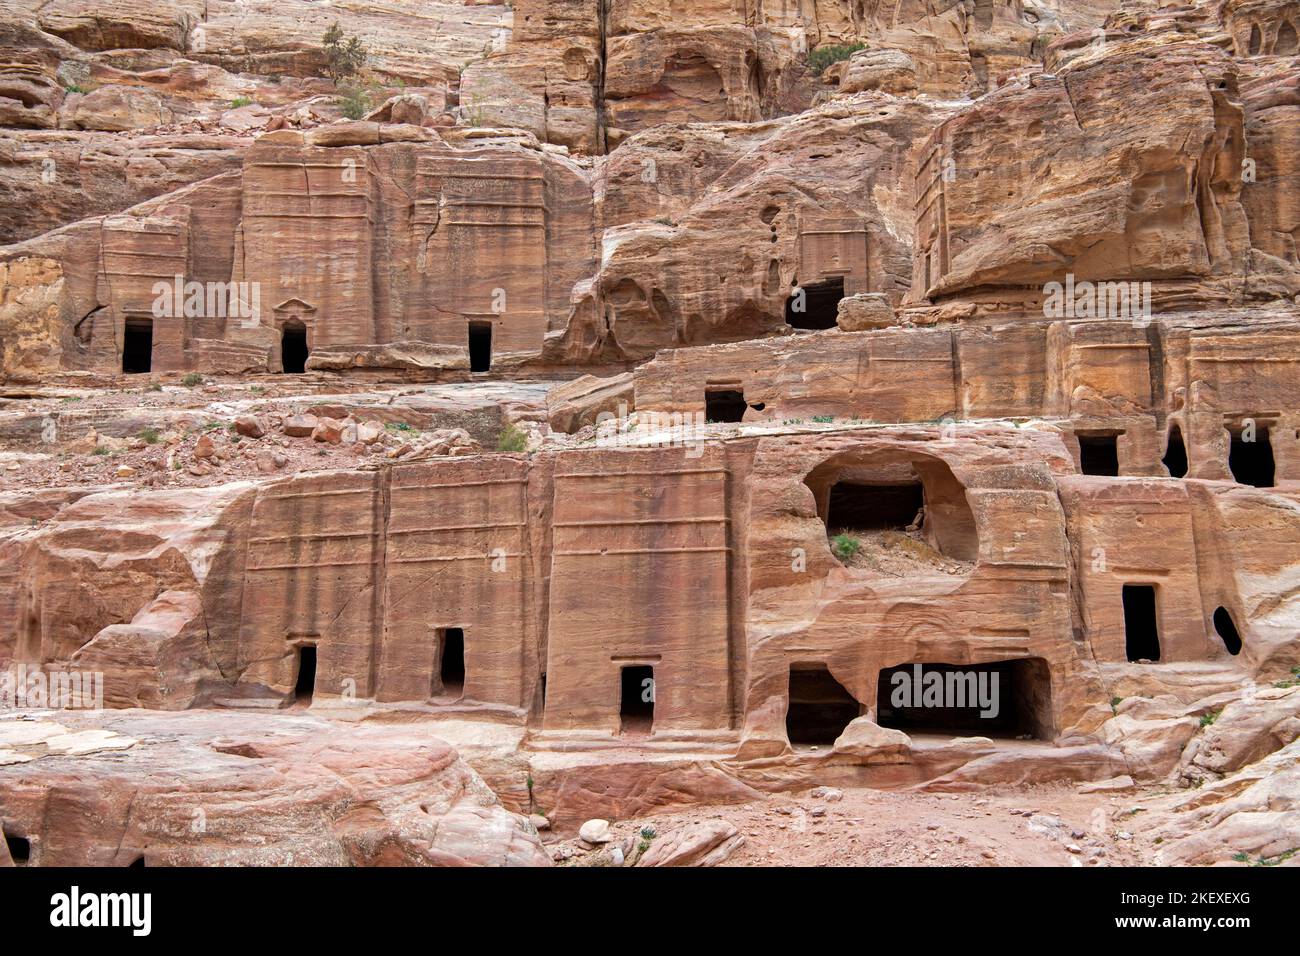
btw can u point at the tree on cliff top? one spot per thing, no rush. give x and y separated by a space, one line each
344 55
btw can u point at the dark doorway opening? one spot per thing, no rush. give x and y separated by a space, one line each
305 685
724 405
1227 630
136 864
480 346
873 507
20 848
1141 631
820 708
137 346
637 694
1099 454
1176 454
1251 462
451 666
815 306
293 348
1002 699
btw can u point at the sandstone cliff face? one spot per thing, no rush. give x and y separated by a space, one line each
634 394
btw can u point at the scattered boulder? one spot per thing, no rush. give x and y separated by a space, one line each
706 843
595 832
300 426
369 432
860 313
204 449
250 426
867 740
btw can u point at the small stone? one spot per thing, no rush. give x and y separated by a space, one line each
329 431
369 432
204 448
300 426
829 794
250 426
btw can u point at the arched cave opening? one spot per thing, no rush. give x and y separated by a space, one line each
1008 699
907 510
1226 628
1175 460
1288 42
819 706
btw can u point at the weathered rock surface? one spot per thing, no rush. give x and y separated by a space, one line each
224 788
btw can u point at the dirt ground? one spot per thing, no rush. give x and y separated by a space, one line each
1050 825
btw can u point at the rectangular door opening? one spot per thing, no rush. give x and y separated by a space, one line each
305 684
451 662
637 707
480 346
1006 699
293 348
1099 454
873 507
724 405
815 305
1251 462
1141 631
137 346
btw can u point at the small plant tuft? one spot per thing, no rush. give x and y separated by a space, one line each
192 380
239 101
845 546
512 439
354 101
824 56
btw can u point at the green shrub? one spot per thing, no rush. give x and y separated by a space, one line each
192 380
75 88
354 101
401 428
845 546
824 56
512 439
150 436
239 101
